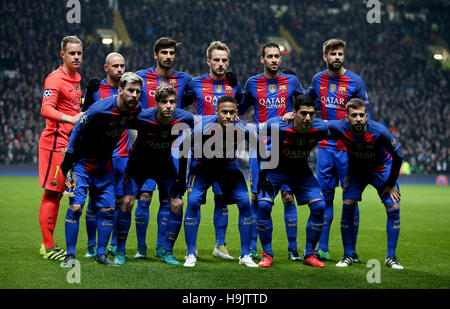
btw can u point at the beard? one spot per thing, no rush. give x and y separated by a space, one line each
334 66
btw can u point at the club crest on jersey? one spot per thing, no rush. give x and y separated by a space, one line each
272 88
342 90
282 88
228 89
218 88
173 82
332 87
47 93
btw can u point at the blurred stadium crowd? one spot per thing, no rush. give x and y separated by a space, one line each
408 89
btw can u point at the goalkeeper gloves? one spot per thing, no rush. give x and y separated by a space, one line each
91 87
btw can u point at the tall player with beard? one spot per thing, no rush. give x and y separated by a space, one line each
164 52
60 107
98 90
332 89
204 91
272 93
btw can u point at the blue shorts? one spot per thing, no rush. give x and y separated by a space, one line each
332 167
119 165
304 186
355 184
164 179
99 184
230 180
253 176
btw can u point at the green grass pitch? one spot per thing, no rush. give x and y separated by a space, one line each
423 248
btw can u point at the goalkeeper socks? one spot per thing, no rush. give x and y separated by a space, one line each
123 227
191 223
48 213
104 227
392 230
115 218
173 229
72 225
355 227
328 196
220 220
265 225
141 219
162 219
290 220
91 223
314 225
347 228
254 231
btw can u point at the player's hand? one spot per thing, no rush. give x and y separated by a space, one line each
91 87
232 78
93 84
288 71
178 189
264 185
289 117
393 192
68 163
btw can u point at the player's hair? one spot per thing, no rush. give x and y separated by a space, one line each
219 46
70 39
226 98
355 103
165 42
303 100
333 44
267 45
163 91
130 77
112 55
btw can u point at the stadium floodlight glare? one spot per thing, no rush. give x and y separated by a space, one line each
438 56
107 41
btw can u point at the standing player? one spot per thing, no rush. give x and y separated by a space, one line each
98 90
218 166
271 93
292 146
374 158
205 91
164 52
60 106
332 89
151 157
89 155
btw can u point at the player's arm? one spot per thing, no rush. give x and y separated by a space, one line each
50 103
188 97
361 93
92 87
392 147
246 100
334 128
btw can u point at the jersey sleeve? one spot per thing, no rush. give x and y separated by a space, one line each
246 100
50 99
82 125
361 93
189 94
393 148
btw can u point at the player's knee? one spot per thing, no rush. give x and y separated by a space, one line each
146 196
264 208
317 207
127 203
76 207
287 198
351 203
176 205
391 207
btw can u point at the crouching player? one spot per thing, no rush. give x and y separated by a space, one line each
89 155
151 158
292 143
374 158
214 160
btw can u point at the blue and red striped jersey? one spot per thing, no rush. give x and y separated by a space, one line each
179 80
332 94
96 134
370 151
105 91
270 97
207 91
293 147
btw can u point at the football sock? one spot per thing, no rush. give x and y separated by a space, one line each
123 227
347 228
115 218
314 225
141 219
48 213
355 227
162 218
328 196
72 225
191 222
254 231
244 224
265 225
220 220
91 224
290 219
104 228
392 230
173 229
